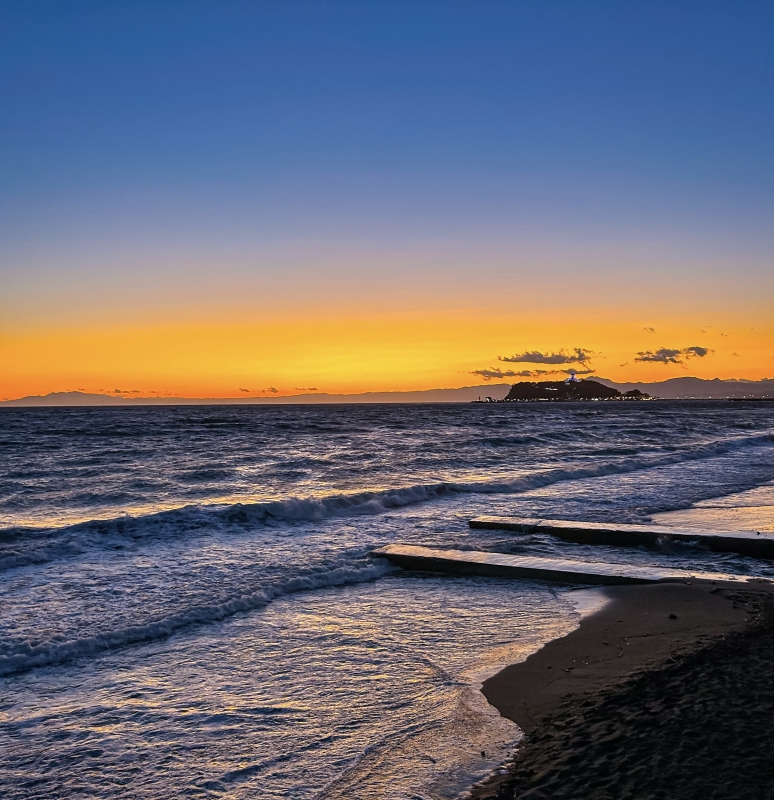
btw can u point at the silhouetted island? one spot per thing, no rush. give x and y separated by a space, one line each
569 390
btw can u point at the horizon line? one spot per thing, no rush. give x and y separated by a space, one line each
127 398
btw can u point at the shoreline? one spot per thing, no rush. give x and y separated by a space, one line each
644 631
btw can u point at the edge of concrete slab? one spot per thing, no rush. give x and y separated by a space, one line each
502 565
756 544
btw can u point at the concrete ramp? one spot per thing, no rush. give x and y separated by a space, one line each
502 565
757 544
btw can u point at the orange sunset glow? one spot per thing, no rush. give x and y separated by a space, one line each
350 354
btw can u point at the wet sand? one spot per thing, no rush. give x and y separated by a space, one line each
667 692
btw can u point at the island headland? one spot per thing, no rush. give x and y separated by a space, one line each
570 390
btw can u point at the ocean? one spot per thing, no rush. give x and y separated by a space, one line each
188 608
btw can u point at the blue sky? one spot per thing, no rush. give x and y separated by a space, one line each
386 102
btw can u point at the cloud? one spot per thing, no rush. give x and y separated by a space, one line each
489 374
670 355
243 390
495 372
649 330
307 389
270 389
578 356
663 356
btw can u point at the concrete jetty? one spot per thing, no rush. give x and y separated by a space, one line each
502 565
757 544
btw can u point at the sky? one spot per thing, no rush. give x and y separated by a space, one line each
231 199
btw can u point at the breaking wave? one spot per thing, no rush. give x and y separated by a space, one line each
73 539
56 652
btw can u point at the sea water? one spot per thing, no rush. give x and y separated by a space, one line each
187 606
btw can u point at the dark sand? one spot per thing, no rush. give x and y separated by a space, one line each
667 692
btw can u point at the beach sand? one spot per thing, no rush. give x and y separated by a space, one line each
667 692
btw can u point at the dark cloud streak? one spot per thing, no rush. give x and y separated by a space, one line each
671 355
578 356
495 372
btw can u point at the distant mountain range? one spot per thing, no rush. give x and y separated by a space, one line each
462 395
698 388
672 389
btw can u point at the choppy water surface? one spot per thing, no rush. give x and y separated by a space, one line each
187 606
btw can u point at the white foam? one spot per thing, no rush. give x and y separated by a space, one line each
177 522
48 653
587 601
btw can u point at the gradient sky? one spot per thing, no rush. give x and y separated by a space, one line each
203 197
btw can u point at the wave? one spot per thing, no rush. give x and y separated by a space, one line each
164 524
42 654
40 555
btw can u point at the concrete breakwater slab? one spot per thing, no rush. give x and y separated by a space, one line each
757 544
503 565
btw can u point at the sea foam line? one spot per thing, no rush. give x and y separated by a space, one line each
313 509
384 500
52 653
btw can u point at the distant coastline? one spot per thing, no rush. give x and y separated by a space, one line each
464 394
687 388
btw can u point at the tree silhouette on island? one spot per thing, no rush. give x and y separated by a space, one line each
569 390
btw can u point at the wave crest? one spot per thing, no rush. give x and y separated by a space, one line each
49 653
73 539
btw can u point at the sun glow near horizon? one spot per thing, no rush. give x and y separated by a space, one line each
376 352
